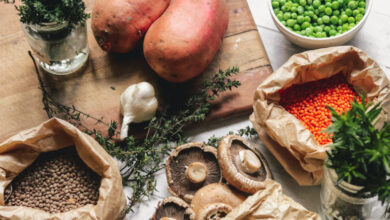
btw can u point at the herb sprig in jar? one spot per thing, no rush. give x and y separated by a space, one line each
51 11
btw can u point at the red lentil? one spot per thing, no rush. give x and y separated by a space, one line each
308 102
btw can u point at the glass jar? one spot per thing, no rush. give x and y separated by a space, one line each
59 48
341 201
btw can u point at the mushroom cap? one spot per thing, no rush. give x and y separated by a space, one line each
180 159
215 200
229 160
173 208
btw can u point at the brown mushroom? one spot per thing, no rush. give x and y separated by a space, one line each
173 208
241 165
215 201
190 167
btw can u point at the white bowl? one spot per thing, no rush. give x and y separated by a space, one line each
314 43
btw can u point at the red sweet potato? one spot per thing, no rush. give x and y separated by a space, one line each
183 41
118 25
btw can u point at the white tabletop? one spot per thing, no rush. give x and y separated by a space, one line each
374 38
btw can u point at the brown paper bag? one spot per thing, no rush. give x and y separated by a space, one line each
270 203
283 134
19 151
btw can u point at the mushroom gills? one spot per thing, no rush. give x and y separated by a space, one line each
196 172
171 211
249 162
215 211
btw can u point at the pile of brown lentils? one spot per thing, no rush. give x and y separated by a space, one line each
57 181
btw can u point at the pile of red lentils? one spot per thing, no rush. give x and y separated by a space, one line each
308 102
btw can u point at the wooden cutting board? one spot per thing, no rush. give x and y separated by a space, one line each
96 90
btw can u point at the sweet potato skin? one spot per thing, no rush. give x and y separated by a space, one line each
119 25
183 41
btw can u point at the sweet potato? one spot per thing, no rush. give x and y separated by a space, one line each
118 25
183 41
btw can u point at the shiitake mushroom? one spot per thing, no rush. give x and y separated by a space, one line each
241 165
190 167
173 208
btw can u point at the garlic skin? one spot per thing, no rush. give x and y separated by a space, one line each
138 104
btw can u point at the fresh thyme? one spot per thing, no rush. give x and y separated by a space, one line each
142 158
48 11
360 153
247 131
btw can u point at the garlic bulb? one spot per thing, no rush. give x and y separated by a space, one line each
138 104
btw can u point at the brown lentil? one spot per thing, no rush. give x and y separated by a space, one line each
308 102
57 181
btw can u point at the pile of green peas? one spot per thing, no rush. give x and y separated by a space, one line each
319 18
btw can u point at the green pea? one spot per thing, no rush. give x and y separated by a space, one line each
307 19
284 23
352 5
321 8
309 31
282 2
297 27
290 23
327 29
316 3
359 17
320 21
294 15
305 25
280 16
287 16
344 18
303 32
328 11
275 4
326 19
300 10
334 20
302 2
348 12
345 27
311 14
351 20
362 10
336 12
362 4
294 9
332 33
318 35
318 29
300 19
335 5
355 12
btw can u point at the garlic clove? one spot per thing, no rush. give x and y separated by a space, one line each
249 161
125 126
138 104
196 172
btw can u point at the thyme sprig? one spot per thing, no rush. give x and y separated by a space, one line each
142 158
247 131
48 11
360 153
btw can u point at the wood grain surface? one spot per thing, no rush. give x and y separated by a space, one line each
97 88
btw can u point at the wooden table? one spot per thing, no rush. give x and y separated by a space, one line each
97 88
374 38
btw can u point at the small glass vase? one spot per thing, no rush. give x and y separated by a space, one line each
342 201
59 48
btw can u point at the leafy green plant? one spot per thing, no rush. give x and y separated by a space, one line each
47 11
360 153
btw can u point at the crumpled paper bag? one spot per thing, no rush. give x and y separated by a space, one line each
19 151
271 203
283 134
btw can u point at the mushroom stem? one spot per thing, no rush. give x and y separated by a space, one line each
249 161
125 126
196 172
